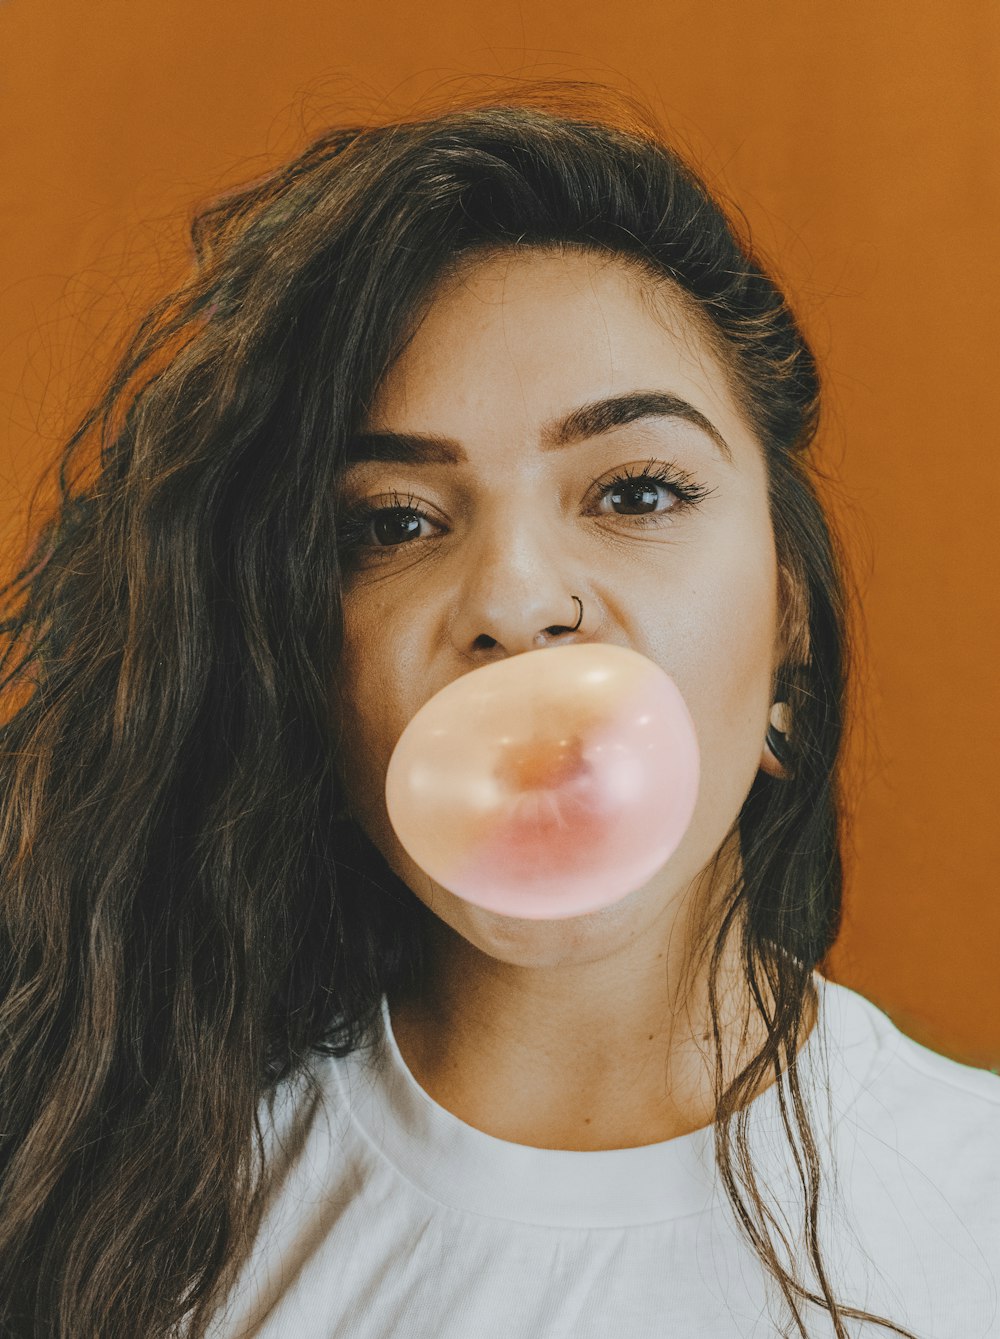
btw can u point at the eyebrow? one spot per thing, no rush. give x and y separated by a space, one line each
587 421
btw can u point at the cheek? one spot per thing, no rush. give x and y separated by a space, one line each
728 661
357 694
745 651
371 714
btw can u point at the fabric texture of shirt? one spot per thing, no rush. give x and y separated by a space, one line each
394 1219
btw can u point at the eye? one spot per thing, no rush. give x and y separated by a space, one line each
639 490
390 521
394 522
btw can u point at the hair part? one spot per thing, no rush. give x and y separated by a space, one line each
183 924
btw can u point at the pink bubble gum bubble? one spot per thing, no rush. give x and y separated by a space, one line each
549 784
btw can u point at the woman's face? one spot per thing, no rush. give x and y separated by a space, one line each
513 531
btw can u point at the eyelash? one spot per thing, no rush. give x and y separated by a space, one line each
688 491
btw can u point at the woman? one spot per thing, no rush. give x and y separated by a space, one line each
439 393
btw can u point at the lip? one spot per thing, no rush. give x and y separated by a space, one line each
543 766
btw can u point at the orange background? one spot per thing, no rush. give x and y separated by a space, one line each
862 141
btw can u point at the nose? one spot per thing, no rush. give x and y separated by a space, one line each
529 629
541 638
522 598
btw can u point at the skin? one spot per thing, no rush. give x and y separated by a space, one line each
572 1033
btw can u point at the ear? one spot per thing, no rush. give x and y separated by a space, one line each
793 645
791 652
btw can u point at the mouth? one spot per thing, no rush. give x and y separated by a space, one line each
544 768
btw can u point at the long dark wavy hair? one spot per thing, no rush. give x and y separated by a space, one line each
186 920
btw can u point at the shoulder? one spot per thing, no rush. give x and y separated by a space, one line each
930 1117
942 1083
914 1213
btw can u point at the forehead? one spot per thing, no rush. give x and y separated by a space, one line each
525 334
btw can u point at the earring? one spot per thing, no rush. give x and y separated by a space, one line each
778 731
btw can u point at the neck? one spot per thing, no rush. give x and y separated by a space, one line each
538 1058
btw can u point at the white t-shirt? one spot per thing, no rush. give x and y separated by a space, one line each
396 1220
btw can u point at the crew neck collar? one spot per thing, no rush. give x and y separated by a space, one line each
467 1169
